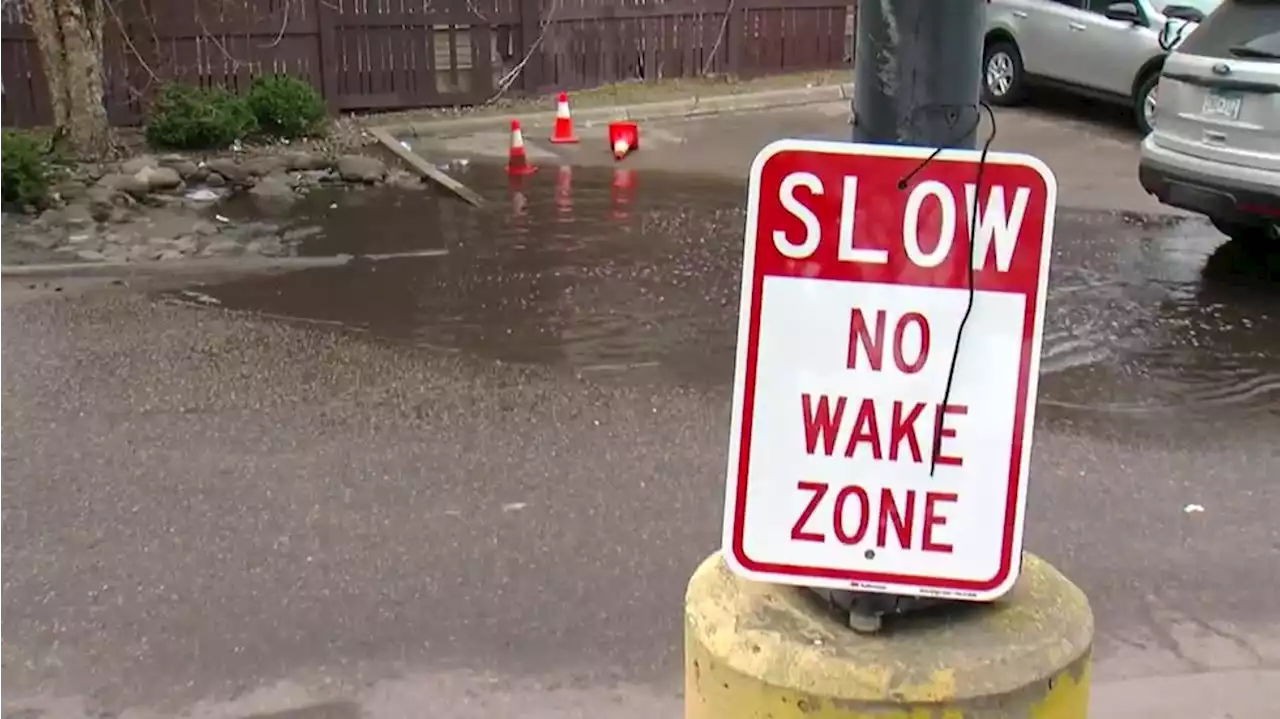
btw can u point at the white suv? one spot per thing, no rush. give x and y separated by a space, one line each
1216 144
1104 49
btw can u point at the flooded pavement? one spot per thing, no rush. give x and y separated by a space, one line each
586 270
601 270
474 467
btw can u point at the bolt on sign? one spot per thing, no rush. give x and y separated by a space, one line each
889 339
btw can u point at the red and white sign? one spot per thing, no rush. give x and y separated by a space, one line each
853 292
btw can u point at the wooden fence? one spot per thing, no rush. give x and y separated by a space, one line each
398 54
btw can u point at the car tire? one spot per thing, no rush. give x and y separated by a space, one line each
1251 234
1003 77
1145 104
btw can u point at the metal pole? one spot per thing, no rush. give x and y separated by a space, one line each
917 81
917 72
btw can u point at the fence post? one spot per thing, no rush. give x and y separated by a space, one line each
328 56
735 37
532 75
128 54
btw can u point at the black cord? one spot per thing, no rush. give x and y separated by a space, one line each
973 228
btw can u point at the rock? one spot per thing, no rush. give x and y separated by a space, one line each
186 244
305 161
69 190
120 215
264 165
200 174
117 238
215 179
91 256
72 217
404 180
184 167
128 184
274 188
117 253
78 215
204 228
360 168
159 178
166 255
43 240
102 203
138 164
230 170
88 172
311 178
221 247
202 195
140 253
272 247
298 234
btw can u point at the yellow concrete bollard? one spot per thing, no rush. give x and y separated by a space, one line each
757 651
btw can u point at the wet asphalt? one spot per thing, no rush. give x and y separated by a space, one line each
476 473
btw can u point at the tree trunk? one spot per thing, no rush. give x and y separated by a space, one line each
69 35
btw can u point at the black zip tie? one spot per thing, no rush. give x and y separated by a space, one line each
973 228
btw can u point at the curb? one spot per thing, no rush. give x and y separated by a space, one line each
691 107
201 264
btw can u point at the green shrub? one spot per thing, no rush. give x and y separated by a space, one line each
285 106
25 169
186 117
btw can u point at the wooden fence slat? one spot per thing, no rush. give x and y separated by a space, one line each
396 54
329 58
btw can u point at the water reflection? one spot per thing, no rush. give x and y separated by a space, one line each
603 269
566 265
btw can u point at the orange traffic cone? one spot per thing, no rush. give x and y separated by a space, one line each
562 131
623 138
517 163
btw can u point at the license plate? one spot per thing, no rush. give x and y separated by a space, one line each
1222 104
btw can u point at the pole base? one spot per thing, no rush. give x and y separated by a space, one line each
757 650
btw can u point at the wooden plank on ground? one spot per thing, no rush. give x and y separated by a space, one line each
426 169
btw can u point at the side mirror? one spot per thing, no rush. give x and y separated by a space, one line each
1124 12
1171 34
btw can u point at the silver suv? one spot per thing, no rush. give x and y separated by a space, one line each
1108 50
1216 145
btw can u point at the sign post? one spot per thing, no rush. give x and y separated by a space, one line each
885 385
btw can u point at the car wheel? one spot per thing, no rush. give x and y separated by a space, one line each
1146 103
1248 233
1003 82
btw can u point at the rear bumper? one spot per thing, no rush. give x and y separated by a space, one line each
1224 192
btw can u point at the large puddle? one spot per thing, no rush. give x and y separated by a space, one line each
608 271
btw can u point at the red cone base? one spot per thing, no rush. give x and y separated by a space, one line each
624 138
517 162
562 131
